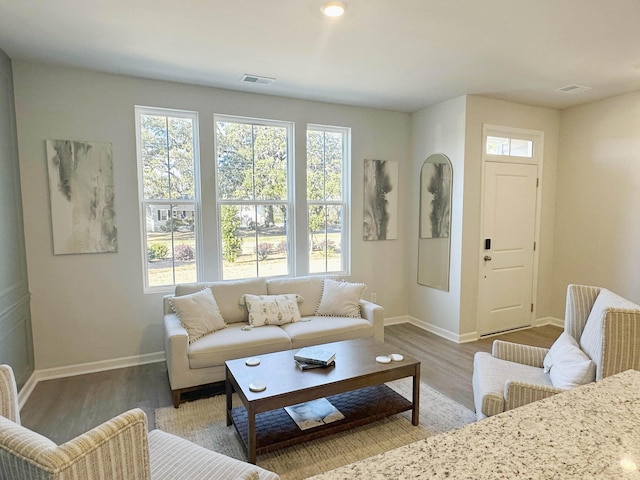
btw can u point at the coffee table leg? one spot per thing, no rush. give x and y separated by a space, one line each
228 389
251 436
416 396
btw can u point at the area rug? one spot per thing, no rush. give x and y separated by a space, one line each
204 423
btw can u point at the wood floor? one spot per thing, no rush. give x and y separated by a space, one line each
63 408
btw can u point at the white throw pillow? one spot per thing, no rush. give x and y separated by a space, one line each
340 299
567 365
198 313
272 309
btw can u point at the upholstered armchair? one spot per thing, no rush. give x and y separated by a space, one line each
119 449
602 326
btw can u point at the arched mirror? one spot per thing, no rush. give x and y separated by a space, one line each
434 242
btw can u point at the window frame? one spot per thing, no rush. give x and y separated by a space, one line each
290 201
171 204
345 202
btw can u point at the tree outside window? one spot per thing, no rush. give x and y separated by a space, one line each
167 160
253 165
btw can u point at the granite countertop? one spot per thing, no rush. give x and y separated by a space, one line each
590 432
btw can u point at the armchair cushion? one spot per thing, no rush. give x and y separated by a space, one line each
567 365
490 377
174 458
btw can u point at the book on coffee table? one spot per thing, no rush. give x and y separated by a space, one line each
311 366
316 355
314 413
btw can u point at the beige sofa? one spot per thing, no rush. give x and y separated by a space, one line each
192 365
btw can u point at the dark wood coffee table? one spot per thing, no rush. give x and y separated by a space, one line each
355 386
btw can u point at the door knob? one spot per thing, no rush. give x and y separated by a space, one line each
487 258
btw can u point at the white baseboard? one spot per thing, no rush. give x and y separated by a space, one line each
556 322
466 337
83 368
441 332
396 320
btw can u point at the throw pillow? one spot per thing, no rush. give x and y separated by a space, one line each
198 313
340 299
567 365
272 309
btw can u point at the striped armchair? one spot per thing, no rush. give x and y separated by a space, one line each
119 449
512 375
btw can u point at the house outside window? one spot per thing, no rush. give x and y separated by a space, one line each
168 159
254 172
328 167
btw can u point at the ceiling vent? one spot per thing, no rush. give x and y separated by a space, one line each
573 89
257 79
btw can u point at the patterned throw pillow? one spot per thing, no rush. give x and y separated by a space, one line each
198 313
340 299
272 309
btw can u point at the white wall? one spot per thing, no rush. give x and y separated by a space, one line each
455 129
437 129
481 111
597 231
88 308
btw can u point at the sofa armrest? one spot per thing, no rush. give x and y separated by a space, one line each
176 350
517 393
374 313
518 353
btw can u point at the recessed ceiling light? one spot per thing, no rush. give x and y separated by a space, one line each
333 9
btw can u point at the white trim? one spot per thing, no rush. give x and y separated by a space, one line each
83 368
537 137
556 322
441 332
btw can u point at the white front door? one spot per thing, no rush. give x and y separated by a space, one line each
507 252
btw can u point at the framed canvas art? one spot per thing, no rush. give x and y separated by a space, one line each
380 200
82 196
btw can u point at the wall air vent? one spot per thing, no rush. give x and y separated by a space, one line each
257 79
573 89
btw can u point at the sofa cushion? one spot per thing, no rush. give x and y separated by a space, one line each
272 309
234 342
228 295
567 365
317 330
309 288
198 313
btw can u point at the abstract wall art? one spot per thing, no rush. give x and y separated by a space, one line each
82 196
380 200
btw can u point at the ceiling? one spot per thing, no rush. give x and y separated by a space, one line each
400 55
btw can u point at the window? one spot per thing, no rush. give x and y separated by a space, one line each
254 168
513 147
327 198
167 144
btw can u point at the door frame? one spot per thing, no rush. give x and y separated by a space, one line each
537 137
